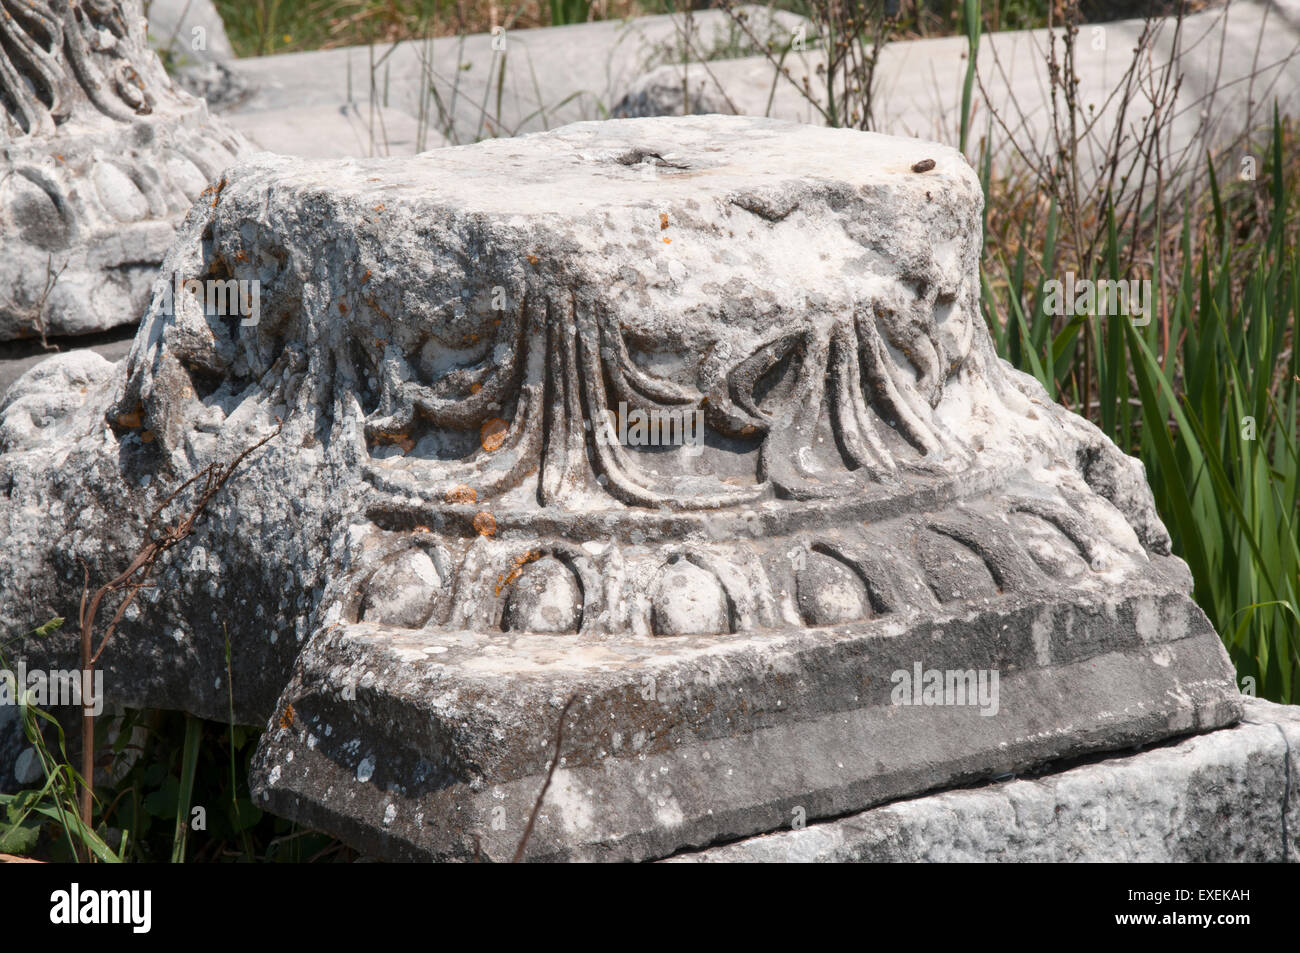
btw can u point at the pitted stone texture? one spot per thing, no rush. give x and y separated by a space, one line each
1228 796
401 592
545 597
446 538
100 157
711 739
687 600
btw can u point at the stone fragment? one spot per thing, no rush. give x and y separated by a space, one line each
18 357
890 564
27 768
100 158
673 91
1230 796
218 83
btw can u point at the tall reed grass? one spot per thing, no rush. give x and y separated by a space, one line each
1205 393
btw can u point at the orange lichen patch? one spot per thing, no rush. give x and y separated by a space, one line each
461 493
375 307
401 438
663 220
216 190
421 528
379 207
475 387
366 276
484 524
493 433
343 308
533 259
508 578
132 420
146 436
286 718
668 241
241 255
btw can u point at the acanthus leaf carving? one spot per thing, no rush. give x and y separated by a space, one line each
57 53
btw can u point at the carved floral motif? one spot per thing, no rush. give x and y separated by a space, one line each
557 369
54 52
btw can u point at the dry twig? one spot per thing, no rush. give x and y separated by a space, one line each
550 773
130 581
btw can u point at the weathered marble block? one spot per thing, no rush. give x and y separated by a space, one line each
1230 796
456 530
100 157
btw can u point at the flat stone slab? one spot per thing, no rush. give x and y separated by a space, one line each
919 83
557 75
484 86
1230 796
334 132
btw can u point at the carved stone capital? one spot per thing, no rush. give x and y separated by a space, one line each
100 158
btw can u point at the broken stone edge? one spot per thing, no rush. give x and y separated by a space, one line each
1229 796
734 740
